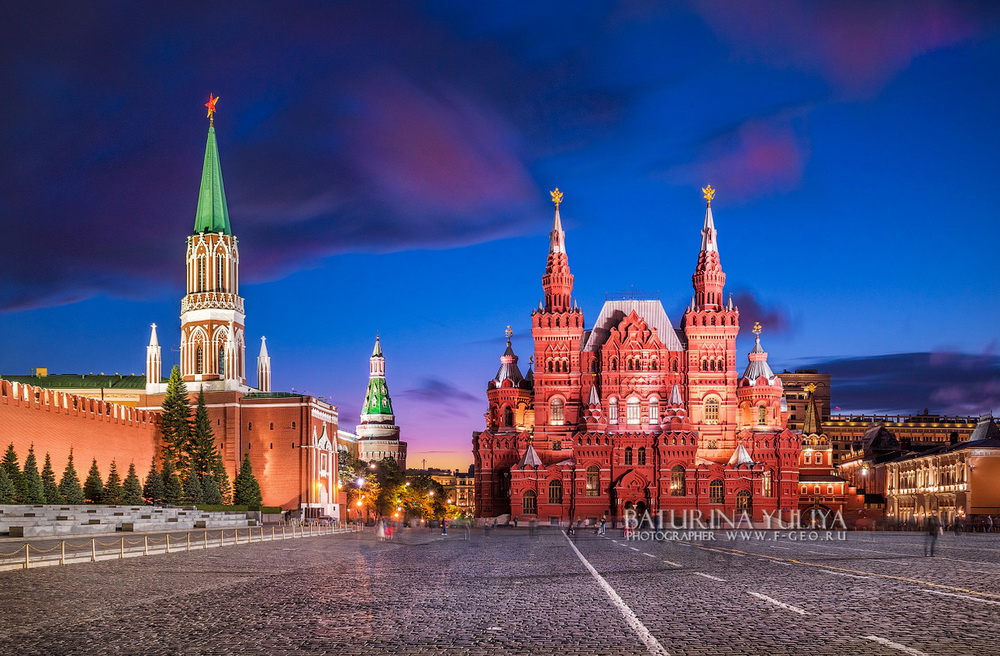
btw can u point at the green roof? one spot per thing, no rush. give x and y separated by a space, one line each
377 401
213 212
74 381
274 395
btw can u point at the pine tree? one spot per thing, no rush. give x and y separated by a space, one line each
173 493
222 482
7 491
152 490
132 489
246 488
192 489
52 493
33 486
69 485
14 474
113 491
175 422
210 490
93 487
202 453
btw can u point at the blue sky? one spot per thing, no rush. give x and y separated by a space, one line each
387 171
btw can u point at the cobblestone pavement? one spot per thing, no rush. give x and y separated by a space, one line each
513 593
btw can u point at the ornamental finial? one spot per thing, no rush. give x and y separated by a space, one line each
756 328
556 196
211 108
708 194
811 387
509 333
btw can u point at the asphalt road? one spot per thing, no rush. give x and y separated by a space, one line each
510 592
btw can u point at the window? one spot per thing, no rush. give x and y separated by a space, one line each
654 411
201 274
220 273
678 485
744 503
712 410
713 444
508 416
807 458
199 360
529 503
593 488
762 415
716 492
557 446
222 361
628 455
613 411
556 412
632 414
767 483
249 425
555 492
642 455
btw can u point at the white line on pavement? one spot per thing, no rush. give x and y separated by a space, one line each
633 548
709 576
670 562
772 600
962 596
853 576
652 644
648 554
896 645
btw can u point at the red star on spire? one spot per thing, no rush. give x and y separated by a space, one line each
211 105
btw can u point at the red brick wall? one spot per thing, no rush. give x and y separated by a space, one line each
56 422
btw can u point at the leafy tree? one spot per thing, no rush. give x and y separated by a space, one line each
132 488
173 492
69 485
33 486
175 422
93 487
210 490
14 473
52 493
152 490
246 489
7 491
113 491
192 489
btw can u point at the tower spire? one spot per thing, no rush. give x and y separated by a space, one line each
154 370
263 367
557 281
212 214
811 424
708 278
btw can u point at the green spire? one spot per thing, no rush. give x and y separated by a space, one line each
213 213
377 401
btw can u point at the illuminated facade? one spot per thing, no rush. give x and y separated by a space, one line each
634 414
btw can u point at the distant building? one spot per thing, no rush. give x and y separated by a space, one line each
459 488
378 434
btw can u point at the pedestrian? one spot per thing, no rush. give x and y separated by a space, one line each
380 531
515 522
444 527
989 523
604 526
569 529
933 530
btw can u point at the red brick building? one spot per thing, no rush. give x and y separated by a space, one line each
635 413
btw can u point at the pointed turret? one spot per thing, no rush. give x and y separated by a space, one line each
377 400
154 370
760 392
509 370
212 214
741 457
986 429
557 281
708 279
378 434
263 367
530 458
757 367
811 424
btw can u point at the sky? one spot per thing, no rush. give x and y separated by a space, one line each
387 167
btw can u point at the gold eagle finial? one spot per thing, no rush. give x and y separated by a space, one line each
708 194
756 328
556 196
811 387
509 332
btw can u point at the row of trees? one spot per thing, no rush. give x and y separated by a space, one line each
382 489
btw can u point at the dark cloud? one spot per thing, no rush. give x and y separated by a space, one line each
772 317
950 383
441 394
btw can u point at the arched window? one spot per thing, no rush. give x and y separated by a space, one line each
555 492
678 484
199 360
716 492
556 415
807 458
505 484
529 503
222 361
628 455
712 410
612 410
614 364
201 274
767 483
593 481
220 273
762 415
654 364
508 416
654 410
743 501
642 455
632 411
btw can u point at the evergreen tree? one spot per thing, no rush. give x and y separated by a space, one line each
69 486
201 450
132 489
221 479
173 493
14 474
113 491
246 489
175 422
210 490
7 491
93 487
52 493
153 488
192 489
33 486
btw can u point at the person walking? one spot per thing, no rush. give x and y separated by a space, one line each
515 522
444 527
933 530
989 523
604 526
